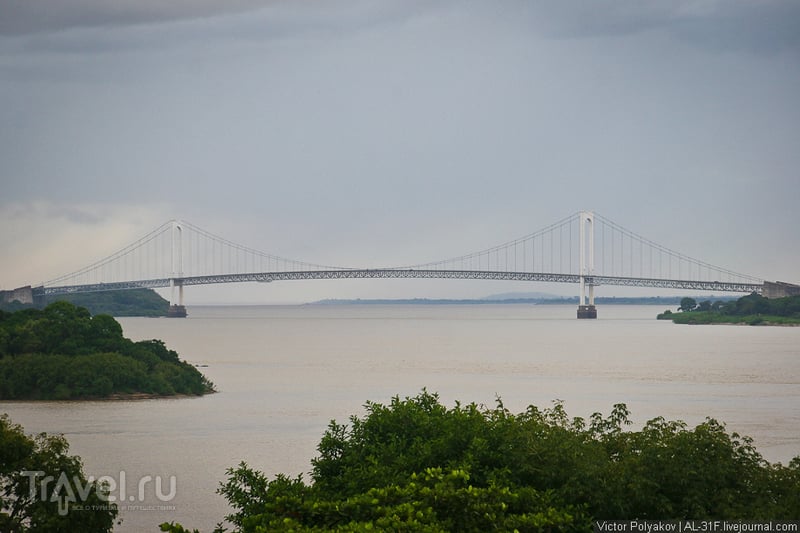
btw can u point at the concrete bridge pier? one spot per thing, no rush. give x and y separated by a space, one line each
176 310
23 295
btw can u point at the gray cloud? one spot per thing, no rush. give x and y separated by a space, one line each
35 16
767 26
764 27
356 132
771 26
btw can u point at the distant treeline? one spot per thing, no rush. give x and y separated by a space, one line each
62 352
133 302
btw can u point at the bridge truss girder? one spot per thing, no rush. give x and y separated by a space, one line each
393 273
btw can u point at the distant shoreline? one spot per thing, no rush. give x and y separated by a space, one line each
709 318
113 397
654 300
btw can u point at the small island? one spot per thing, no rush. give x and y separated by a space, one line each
753 309
62 352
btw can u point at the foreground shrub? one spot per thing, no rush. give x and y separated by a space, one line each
416 465
43 489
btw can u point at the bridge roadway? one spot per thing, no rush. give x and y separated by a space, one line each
389 273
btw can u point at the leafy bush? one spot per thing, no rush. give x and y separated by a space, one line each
415 465
58 487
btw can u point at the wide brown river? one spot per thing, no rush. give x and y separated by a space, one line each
283 372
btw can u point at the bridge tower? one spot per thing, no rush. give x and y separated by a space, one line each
586 266
176 307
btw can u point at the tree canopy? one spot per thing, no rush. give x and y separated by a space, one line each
62 352
751 309
44 490
687 304
416 465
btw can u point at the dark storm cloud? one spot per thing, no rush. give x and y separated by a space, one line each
23 17
19 17
765 26
98 27
761 27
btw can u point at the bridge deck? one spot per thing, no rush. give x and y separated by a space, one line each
391 273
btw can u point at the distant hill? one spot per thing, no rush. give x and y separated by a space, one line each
522 296
134 302
401 301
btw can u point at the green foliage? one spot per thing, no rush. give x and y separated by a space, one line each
416 465
710 317
752 309
687 304
62 352
133 302
704 306
172 527
434 500
47 506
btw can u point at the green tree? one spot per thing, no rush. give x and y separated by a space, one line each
43 490
416 465
687 304
752 304
704 306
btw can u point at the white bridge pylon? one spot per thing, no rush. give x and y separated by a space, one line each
584 248
176 308
586 264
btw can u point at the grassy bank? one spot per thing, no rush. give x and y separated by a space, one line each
753 310
712 317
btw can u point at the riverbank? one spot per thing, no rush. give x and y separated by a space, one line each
752 310
712 317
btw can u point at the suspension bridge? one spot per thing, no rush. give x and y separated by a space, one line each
585 248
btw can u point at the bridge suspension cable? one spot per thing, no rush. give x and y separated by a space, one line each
210 254
178 249
179 253
623 253
621 257
141 259
552 249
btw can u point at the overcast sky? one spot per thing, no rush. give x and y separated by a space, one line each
363 132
